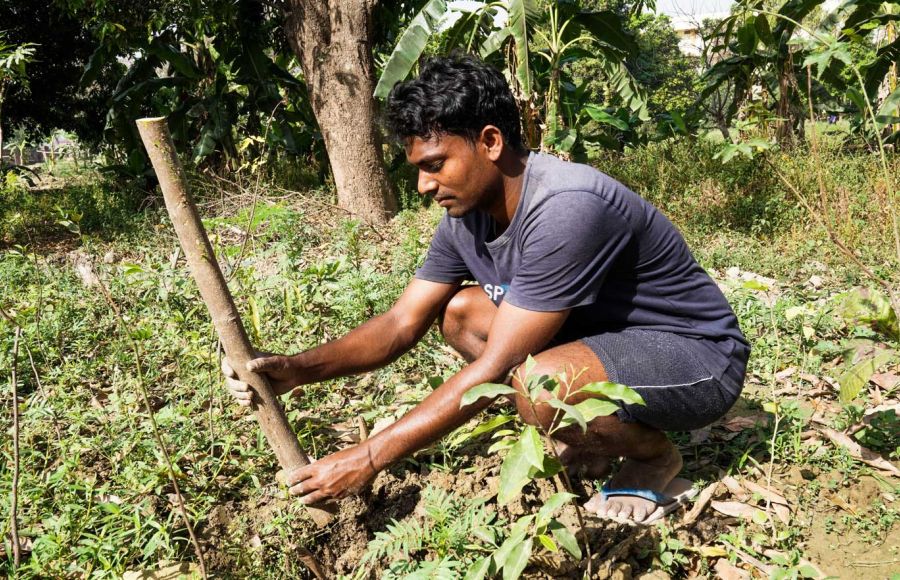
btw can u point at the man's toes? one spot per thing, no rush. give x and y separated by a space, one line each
625 511
613 508
595 504
640 513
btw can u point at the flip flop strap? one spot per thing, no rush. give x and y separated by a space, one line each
648 494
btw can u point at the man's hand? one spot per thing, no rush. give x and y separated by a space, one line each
283 374
334 477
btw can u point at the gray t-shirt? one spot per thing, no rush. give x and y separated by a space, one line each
581 240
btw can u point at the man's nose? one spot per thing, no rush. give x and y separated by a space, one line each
426 185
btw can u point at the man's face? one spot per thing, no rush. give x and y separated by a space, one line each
458 174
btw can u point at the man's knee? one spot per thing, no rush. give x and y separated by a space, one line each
557 373
533 390
457 316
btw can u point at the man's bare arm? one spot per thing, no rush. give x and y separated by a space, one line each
382 339
514 334
371 345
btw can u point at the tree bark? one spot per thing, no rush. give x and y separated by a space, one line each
333 41
214 291
784 131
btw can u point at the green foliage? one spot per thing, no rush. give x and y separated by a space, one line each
534 44
668 76
94 500
527 459
453 531
776 48
224 78
410 46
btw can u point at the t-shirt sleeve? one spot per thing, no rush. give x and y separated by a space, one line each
443 264
568 248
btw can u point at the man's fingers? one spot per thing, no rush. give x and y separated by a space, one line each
314 498
291 478
265 364
227 369
236 385
243 399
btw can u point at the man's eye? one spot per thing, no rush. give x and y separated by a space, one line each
434 167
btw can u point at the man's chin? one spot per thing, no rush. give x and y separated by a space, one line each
458 212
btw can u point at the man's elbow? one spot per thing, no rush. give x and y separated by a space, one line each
407 330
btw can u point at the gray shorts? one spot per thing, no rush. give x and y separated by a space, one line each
682 389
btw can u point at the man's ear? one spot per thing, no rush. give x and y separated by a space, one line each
491 139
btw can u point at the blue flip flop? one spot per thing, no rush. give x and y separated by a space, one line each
677 494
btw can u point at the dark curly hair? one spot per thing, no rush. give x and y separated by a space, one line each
456 95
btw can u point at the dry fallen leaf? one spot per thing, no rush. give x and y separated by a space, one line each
783 374
857 451
166 571
895 408
735 488
811 379
726 571
839 502
702 501
887 381
766 493
783 512
738 509
712 551
699 435
745 422
381 425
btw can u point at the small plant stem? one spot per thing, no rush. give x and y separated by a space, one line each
37 380
213 387
154 427
14 500
255 197
567 483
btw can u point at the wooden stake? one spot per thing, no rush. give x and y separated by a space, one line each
214 291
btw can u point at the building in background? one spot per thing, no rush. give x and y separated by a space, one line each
687 17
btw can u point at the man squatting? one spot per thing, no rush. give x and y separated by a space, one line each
571 267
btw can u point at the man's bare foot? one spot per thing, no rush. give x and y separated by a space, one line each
654 474
581 462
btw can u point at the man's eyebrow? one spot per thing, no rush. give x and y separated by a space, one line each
425 160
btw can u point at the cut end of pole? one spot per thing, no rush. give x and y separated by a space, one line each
150 120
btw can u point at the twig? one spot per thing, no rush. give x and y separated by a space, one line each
363 429
37 380
873 564
567 483
886 286
155 428
756 562
309 559
705 496
13 515
240 255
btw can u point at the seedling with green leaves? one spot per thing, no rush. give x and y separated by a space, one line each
533 454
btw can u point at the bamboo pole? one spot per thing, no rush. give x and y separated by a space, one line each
214 291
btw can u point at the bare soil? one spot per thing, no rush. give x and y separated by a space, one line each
619 551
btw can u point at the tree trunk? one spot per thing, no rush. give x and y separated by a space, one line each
784 131
333 41
1 125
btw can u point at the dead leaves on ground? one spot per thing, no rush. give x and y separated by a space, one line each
754 501
859 452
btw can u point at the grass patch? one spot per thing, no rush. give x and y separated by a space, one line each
95 499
